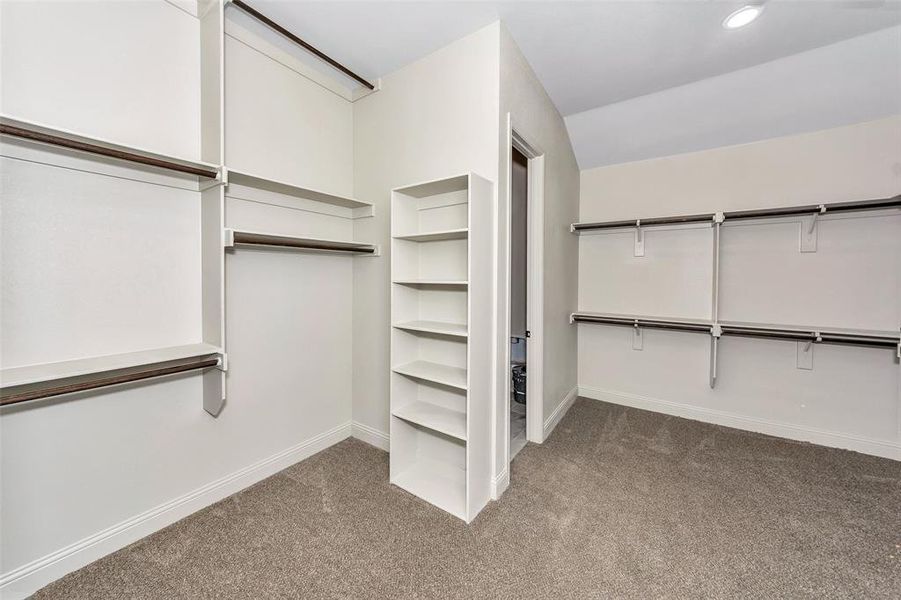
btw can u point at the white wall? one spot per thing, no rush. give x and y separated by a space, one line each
536 119
431 119
57 68
101 258
851 397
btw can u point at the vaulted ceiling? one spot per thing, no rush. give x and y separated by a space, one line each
594 54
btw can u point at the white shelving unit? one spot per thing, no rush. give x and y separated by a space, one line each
440 346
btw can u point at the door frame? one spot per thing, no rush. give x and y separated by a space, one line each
534 294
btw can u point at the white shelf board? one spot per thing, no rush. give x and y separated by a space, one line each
290 189
436 282
436 327
16 376
440 419
435 236
104 143
434 372
233 238
457 183
437 483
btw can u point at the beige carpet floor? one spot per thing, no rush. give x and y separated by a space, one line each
618 503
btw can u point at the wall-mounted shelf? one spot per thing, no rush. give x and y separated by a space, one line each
247 238
32 382
60 138
435 327
441 342
361 208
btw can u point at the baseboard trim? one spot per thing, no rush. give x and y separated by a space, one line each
370 435
500 484
551 422
25 580
832 439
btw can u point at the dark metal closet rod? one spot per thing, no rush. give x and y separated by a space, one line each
823 337
313 50
834 207
642 323
260 239
55 140
148 372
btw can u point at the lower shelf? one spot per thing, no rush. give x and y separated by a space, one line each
440 419
437 483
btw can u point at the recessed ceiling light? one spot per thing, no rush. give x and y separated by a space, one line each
742 16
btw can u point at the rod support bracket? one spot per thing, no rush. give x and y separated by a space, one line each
808 231
228 238
639 239
716 330
719 218
637 337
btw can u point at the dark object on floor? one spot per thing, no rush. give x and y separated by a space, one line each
618 503
519 383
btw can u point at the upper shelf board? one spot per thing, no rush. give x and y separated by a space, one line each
30 374
98 146
457 183
289 189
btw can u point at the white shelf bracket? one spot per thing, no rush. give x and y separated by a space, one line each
805 354
228 238
808 231
639 239
637 337
715 332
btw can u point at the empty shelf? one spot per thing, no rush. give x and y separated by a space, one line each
434 372
437 483
250 238
436 327
290 189
440 419
17 376
435 236
433 282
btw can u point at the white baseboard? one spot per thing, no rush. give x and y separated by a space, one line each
833 439
500 484
371 435
551 422
25 580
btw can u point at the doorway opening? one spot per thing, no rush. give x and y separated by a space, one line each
519 286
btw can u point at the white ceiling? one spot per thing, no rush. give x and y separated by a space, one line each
587 54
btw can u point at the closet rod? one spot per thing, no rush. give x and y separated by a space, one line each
264 19
54 140
149 372
821 337
854 206
261 239
644 323
852 339
675 220
834 207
